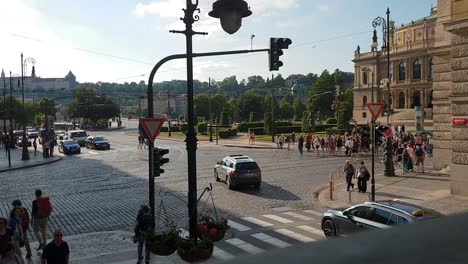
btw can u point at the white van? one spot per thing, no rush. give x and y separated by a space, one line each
79 136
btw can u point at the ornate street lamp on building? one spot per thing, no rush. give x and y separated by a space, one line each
24 142
385 24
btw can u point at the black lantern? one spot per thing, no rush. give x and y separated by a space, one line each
230 12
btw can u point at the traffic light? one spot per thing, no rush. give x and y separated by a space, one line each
159 160
276 50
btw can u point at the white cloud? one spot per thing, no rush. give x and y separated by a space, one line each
324 7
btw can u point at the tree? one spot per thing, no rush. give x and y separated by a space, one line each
255 82
285 109
345 112
322 96
92 107
305 124
267 123
298 108
278 81
249 102
47 107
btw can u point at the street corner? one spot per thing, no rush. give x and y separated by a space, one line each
18 164
330 201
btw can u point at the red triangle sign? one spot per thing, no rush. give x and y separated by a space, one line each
152 126
375 109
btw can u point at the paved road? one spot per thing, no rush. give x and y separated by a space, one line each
102 190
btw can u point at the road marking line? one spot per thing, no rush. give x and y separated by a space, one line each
311 230
237 226
294 235
271 240
92 152
299 216
247 247
314 212
257 221
278 218
221 254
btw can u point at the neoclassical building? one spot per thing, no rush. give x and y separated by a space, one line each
410 72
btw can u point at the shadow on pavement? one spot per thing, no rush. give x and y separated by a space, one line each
269 191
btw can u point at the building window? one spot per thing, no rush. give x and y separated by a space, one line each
364 101
417 70
365 77
401 100
391 71
402 71
364 115
429 73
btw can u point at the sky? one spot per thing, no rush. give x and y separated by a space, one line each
121 40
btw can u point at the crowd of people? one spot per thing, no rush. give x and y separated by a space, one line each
48 141
14 234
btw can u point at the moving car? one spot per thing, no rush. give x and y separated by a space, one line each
373 215
97 142
69 147
32 133
79 136
19 138
238 170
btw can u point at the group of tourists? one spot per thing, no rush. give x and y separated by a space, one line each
47 140
14 234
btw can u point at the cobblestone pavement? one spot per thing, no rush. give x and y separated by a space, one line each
102 190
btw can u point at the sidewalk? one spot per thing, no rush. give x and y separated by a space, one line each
17 163
430 189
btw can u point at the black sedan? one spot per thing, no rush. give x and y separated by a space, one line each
373 215
69 147
97 142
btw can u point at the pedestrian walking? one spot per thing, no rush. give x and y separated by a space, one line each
56 251
300 144
308 142
288 141
35 146
9 255
41 210
6 236
362 177
252 138
293 138
145 223
406 158
419 153
25 225
339 144
349 172
45 149
140 142
16 227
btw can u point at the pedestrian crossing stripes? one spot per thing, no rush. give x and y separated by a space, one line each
237 226
247 247
257 221
299 216
221 254
313 212
311 230
279 219
294 235
271 240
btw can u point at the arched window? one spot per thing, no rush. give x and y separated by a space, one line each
365 77
364 101
416 70
402 71
429 99
401 100
429 72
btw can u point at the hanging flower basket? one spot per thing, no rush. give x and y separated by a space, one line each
212 229
195 250
163 244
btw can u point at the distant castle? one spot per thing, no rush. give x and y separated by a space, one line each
38 85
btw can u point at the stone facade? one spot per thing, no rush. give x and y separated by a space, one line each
411 66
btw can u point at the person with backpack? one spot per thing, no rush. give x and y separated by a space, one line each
41 210
349 172
363 176
16 227
419 153
25 225
145 223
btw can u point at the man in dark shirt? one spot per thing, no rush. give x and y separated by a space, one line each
56 252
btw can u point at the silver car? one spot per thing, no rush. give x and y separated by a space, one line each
373 215
238 170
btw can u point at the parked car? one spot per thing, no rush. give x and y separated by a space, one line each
69 147
373 215
32 133
79 136
238 170
97 142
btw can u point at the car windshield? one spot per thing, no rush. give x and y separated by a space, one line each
99 139
246 166
69 142
78 134
32 130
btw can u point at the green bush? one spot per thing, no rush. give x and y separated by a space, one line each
183 127
202 128
224 119
288 129
331 121
331 131
322 127
244 126
257 130
232 132
266 123
226 133
283 123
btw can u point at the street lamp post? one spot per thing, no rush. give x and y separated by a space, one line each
230 13
4 101
25 154
385 24
367 70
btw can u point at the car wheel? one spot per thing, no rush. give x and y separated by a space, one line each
216 175
229 184
87 146
329 229
257 186
94 146
108 147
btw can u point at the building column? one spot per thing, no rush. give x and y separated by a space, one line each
459 106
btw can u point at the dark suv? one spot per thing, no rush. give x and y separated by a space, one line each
238 170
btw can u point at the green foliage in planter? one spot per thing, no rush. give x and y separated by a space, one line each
202 128
183 127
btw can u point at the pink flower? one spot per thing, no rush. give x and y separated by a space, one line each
213 231
208 218
203 228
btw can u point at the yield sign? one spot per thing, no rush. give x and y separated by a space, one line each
152 127
375 109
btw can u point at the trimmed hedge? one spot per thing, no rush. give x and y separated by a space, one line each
330 131
244 126
331 121
226 133
173 129
322 127
257 130
288 129
202 128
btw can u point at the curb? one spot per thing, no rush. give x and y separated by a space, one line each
249 147
31 165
